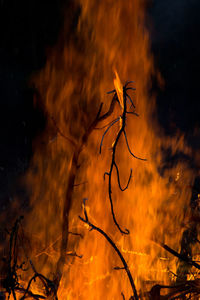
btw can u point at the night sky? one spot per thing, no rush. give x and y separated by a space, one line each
29 27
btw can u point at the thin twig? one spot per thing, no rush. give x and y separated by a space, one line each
74 254
106 132
75 233
180 256
118 268
126 268
118 179
99 128
144 159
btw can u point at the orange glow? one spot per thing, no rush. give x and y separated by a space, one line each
119 89
110 35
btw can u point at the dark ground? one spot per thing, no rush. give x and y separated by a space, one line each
28 27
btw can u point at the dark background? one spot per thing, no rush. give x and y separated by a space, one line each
29 27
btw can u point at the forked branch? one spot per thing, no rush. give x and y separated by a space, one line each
51 287
75 166
122 131
12 281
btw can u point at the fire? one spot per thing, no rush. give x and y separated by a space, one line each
119 88
109 35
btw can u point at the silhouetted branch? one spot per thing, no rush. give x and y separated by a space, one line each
118 179
75 233
131 101
144 159
106 132
122 130
81 183
70 186
74 254
48 286
99 128
177 291
189 288
11 282
132 113
110 241
123 296
29 294
51 287
180 256
118 268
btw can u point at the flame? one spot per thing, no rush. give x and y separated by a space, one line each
109 35
119 89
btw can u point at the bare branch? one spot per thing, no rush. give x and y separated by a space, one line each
127 95
51 287
106 132
99 128
74 254
144 159
75 233
118 268
110 241
118 179
128 82
132 113
70 187
180 256
113 164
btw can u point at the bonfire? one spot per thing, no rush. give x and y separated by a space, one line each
106 218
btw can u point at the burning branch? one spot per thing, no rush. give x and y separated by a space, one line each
11 282
70 187
178 291
110 241
186 259
190 288
122 98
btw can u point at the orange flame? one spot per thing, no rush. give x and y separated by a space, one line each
110 35
119 89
